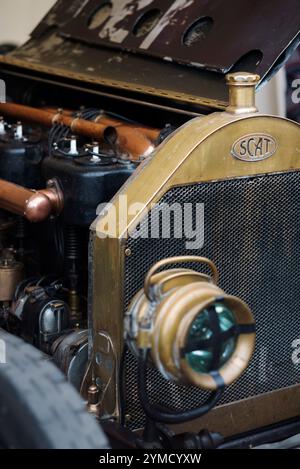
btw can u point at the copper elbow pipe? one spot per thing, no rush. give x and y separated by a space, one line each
35 206
130 140
123 138
148 132
133 140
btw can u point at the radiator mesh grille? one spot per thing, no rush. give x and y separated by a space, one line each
252 232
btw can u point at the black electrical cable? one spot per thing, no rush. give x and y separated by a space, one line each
52 137
118 116
59 131
122 398
58 238
65 153
157 413
93 113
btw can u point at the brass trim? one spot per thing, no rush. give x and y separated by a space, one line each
242 92
192 155
178 260
112 267
265 145
191 296
159 319
198 152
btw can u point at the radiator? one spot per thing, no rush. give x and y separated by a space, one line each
252 233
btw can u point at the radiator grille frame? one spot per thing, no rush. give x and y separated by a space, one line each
199 152
259 206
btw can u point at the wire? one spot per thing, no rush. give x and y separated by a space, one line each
59 132
164 415
122 399
58 238
92 113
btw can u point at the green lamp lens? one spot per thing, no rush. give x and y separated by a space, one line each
201 361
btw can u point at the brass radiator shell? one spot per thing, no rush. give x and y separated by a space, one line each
202 151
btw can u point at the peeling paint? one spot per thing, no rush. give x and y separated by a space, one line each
77 51
81 8
178 5
53 42
121 9
115 58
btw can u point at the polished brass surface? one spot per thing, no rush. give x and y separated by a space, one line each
112 266
160 317
242 92
200 151
179 260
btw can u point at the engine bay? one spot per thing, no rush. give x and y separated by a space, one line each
148 237
85 157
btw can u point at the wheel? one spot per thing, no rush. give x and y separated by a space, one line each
38 408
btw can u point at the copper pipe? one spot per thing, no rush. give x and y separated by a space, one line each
131 140
151 133
27 114
35 206
123 137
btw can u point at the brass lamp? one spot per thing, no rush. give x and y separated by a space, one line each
196 333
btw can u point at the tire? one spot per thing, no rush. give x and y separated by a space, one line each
38 408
